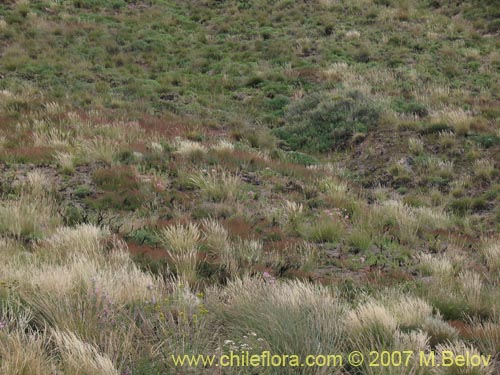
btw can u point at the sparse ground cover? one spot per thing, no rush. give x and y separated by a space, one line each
196 177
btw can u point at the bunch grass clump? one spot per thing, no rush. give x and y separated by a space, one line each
416 146
236 256
409 311
82 358
371 323
25 352
325 229
460 348
66 161
28 216
291 317
217 186
293 213
187 148
98 148
440 266
484 169
181 243
82 240
491 253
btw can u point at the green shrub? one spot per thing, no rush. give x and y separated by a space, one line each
479 204
121 189
460 206
411 108
294 157
326 229
73 215
486 140
321 122
82 191
128 200
144 236
435 128
360 239
112 179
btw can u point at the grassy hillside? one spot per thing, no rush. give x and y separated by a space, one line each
200 177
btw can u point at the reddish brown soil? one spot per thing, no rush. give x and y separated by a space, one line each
149 252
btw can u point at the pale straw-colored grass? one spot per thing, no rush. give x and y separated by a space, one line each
81 358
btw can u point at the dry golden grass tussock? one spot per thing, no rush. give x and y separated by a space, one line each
53 279
128 284
11 101
22 349
308 254
484 168
181 243
333 186
416 145
247 251
338 72
409 311
491 253
447 138
436 265
438 330
28 216
9 248
236 254
413 340
186 147
459 348
81 358
328 4
156 147
53 108
352 34
411 221
37 185
372 316
215 236
25 353
381 78
49 135
406 218
351 79
124 131
433 164
328 168
115 272
292 316
65 160
487 336
217 185
458 118
436 97
472 287
85 240
179 238
291 293
337 190
433 217
97 149
292 211
223 145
